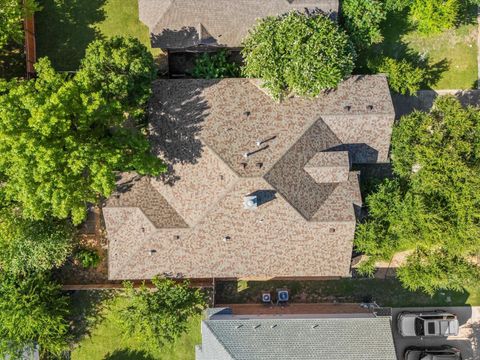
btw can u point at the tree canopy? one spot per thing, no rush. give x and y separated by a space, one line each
160 315
62 144
12 13
299 53
33 311
32 246
432 206
362 21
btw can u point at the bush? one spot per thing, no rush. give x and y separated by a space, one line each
298 53
403 76
162 315
215 66
29 245
362 21
89 258
432 16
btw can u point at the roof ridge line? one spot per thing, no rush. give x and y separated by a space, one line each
162 15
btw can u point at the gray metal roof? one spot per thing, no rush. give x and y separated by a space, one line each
299 339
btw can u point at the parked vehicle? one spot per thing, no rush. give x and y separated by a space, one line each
444 353
427 324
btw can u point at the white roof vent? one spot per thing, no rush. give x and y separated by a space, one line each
250 202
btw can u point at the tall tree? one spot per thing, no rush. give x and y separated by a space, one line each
33 311
299 53
160 315
12 13
63 142
432 207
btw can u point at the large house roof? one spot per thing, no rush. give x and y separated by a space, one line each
178 24
225 140
347 337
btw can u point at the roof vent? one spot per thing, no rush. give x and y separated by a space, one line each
273 326
369 107
331 230
177 237
238 326
347 107
259 165
244 164
256 326
226 238
246 113
151 252
250 202
315 326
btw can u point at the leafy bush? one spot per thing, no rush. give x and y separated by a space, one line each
29 245
89 258
33 310
403 76
362 21
215 66
299 53
162 315
432 16
11 16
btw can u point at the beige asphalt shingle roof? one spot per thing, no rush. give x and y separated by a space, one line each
177 24
195 219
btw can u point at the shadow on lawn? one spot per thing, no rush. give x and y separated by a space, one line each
64 28
87 311
386 292
127 354
393 30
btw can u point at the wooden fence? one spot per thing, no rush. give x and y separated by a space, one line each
30 46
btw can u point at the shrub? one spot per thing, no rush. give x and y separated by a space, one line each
403 76
89 258
432 16
215 66
299 53
362 20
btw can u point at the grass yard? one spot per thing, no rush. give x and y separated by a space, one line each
452 54
64 28
106 342
387 292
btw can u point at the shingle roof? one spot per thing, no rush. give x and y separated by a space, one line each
195 218
366 338
176 24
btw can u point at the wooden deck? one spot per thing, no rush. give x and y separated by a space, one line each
300 308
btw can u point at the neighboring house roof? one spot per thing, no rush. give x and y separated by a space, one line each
332 337
297 165
177 24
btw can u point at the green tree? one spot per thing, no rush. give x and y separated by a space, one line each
29 245
62 144
403 76
33 311
160 315
300 53
362 21
433 205
12 13
432 16
215 66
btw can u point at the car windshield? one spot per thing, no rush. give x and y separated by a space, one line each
419 330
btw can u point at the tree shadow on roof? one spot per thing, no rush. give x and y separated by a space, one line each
175 39
177 111
65 28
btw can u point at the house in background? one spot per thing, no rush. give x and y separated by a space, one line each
183 27
227 335
257 189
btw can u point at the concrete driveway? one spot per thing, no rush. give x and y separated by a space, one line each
468 340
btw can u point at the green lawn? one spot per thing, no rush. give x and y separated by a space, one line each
387 292
64 28
452 54
106 342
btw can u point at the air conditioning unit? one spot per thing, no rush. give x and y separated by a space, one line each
282 295
266 298
250 202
